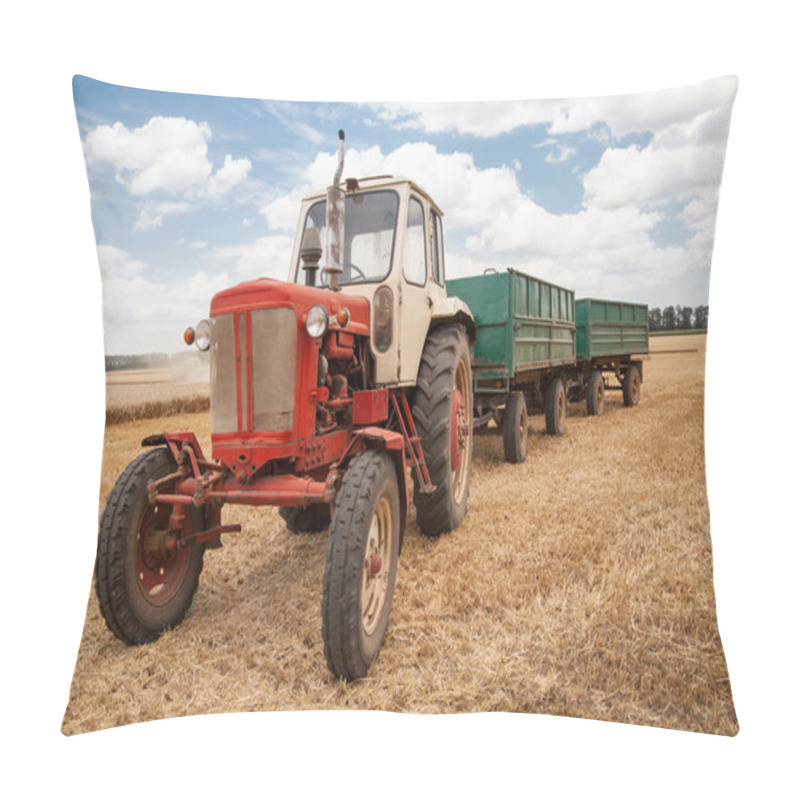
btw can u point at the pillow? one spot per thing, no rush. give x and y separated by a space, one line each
559 562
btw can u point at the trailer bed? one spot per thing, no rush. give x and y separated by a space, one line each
523 324
609 328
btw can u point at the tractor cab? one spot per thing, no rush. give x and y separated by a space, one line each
390 251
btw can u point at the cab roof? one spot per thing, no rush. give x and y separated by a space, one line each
376 182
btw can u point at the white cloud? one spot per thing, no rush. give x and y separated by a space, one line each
166 154
605 249
233 171
144 315
152 216
623 114
478 119
288 115
559 154
682 165
654 174
117 263
266 257
467 194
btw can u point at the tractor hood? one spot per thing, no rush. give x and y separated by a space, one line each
267 293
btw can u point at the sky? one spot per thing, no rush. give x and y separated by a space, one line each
615 197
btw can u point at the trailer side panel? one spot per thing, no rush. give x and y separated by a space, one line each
523 323
610 328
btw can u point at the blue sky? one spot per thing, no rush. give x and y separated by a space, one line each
612 197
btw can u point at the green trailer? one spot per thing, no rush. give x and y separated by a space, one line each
524 324
537 348
609 329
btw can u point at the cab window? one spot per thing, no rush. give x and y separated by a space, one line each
414 258
369 225
437 249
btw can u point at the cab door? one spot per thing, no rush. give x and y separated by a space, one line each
415 289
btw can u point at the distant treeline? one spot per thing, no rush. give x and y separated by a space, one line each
678 318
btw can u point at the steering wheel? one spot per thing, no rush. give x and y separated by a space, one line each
354 270
356 274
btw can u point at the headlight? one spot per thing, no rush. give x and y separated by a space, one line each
202 335
317 321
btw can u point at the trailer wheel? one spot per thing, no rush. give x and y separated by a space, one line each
555 407
143 579
442 411
360 565
631 386
595 394
311 519
515 429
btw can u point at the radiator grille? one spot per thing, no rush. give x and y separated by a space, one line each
223 375
256 395
274 335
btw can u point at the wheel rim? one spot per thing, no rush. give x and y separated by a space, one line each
599 395
456 450
462 421
635 387
377 566
562 409
160 563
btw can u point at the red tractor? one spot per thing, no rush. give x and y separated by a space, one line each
326 391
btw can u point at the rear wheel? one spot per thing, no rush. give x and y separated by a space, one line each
595 394
555 407
442 412
360 565
631 386
311 519
515 429
144 577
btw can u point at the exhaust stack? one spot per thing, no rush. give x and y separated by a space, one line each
334 223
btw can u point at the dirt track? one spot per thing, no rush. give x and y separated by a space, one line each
580 584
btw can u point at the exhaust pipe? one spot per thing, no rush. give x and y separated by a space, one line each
334 223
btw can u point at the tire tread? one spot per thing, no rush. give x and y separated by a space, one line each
431 411
341 581
111 552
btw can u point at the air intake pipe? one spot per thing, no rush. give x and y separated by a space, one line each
334 223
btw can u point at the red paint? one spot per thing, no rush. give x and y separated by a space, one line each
370 407
302 465
248 354
237 347
269 293
455 451
160 566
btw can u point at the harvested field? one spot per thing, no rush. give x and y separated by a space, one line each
149 393
580 584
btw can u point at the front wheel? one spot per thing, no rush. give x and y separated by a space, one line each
146 573
360 565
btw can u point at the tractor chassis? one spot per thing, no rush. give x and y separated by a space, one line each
207 484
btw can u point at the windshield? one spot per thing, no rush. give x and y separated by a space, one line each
370 220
